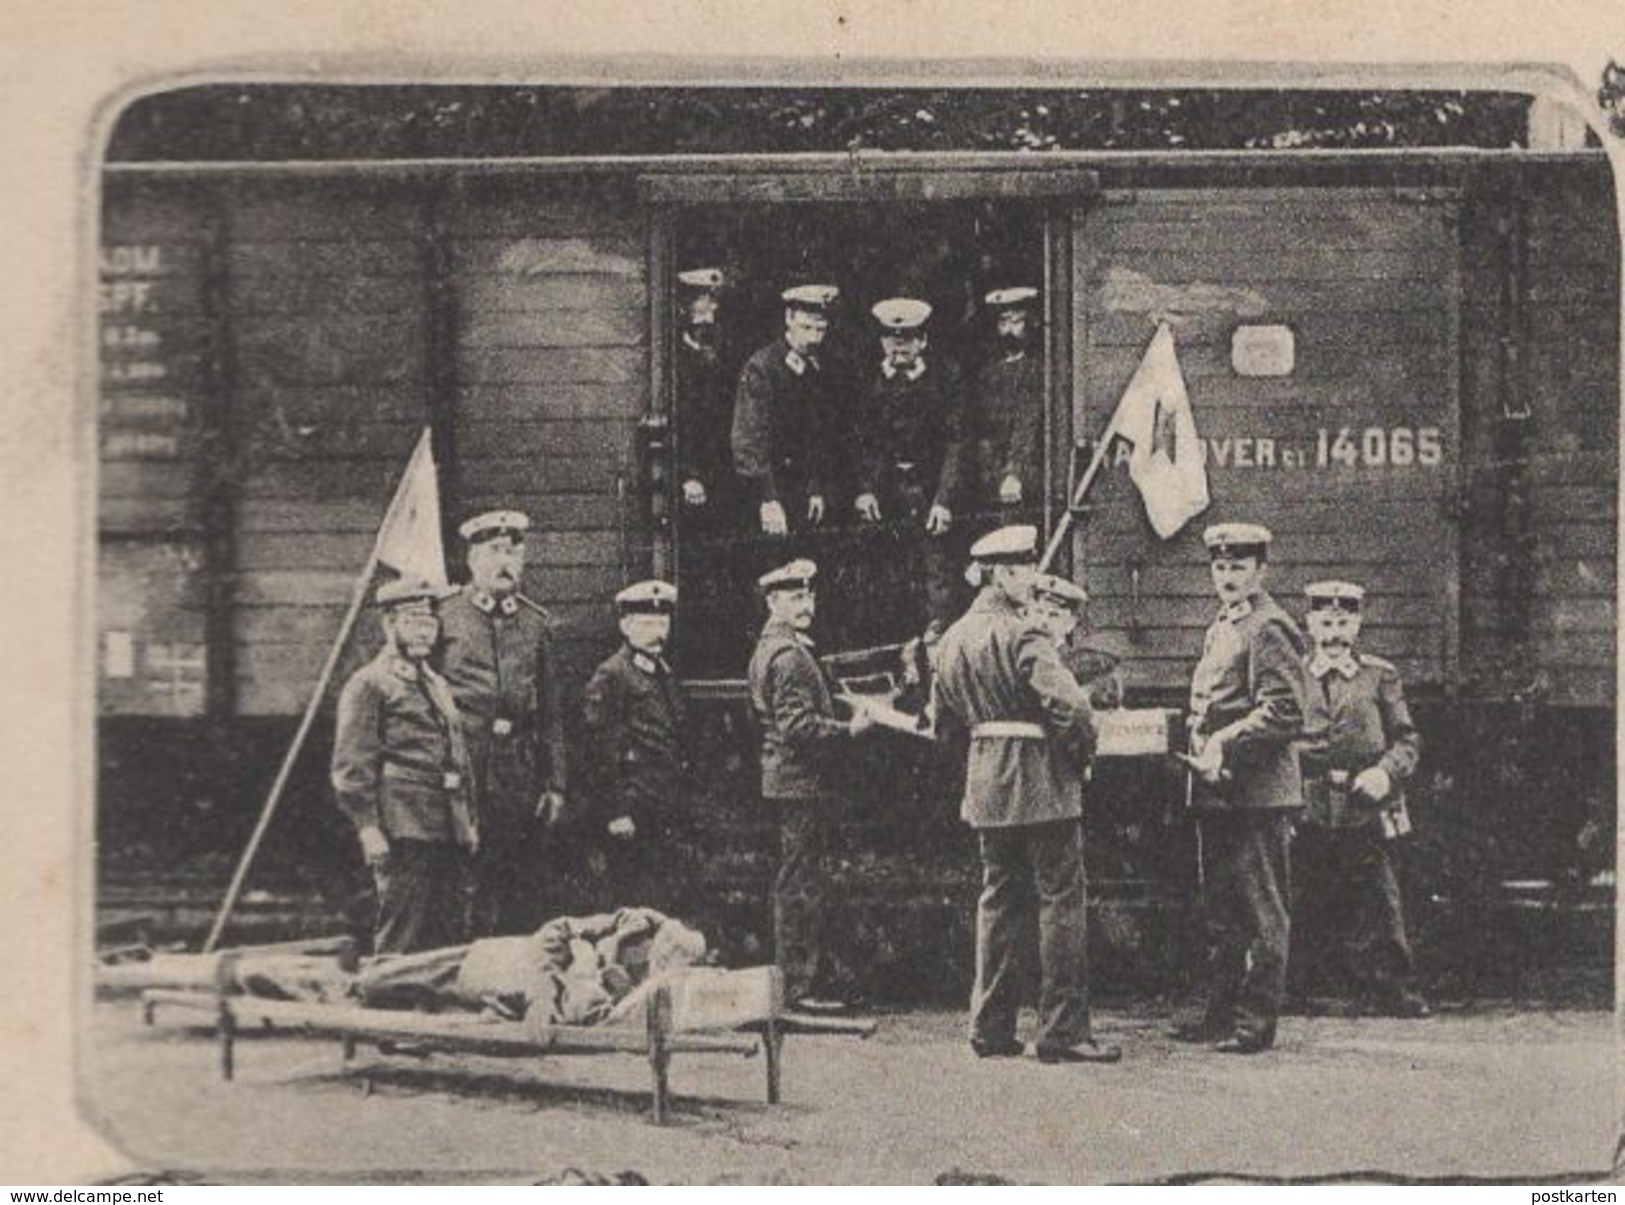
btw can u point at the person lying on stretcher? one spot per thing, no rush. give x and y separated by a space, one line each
590 970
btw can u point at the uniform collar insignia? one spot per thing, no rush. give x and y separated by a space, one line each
1237 611
798 363
646 663
1348 665
914 371
403 667
484 601
1011 357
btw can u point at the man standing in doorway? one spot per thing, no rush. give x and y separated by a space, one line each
1008 408
911 467
497 654
1248 700
1000 683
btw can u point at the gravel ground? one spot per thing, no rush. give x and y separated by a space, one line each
1491 1092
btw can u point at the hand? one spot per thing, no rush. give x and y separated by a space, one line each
694 492
550 808
815 508
773 520
374 845
469 842
939 520
1208 764
1010 490
862 720
622 828
868 507
1374 783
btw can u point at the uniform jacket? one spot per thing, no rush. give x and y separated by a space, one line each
706 400
1251 684
785 429
396 741
1355 723
500 664
919 423
994 665
633 716
1008 420
795 714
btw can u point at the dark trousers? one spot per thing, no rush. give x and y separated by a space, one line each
800 919
1032 871
419 897
1245 858
515 880
1349 926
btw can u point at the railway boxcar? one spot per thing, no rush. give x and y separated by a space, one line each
1406 363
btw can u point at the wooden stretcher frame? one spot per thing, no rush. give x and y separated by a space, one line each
760 1027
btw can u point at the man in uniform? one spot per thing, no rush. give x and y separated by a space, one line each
702 392
633 719
1008 408
785 432
911 466
400 774
1248 697
718 618
1000 681
1059 607
793 702
1363 748
497 654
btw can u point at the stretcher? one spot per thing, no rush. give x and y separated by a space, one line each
703 1010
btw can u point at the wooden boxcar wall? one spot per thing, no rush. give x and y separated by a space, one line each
272 351
1349 455
272 347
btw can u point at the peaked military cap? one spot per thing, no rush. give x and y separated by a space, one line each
653 597
410 592
797 575
494 523
1012 545
1005 299
1058 590
1236 540
1344 596
702 278
901 313
811 297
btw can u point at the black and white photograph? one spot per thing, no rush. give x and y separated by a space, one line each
744 622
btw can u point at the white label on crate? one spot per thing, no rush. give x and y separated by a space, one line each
1131 732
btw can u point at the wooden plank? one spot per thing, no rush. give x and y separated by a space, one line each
372 403
1108 368
1406 546
1160 612
610 366
263 211
295 587
1575 616
619 254
866 183
275 291
142 253
281 436
1286 581
1396 396
146 479
598 438
1344 295
299 550
503 294
1374 330
306 625
352 256
1235 266
502 477
533 402
1354 230
550 209
126 516
554 328
360 478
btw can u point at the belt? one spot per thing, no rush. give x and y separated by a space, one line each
1021 730
446 780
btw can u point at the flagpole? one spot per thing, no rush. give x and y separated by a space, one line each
1065 525
273 798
